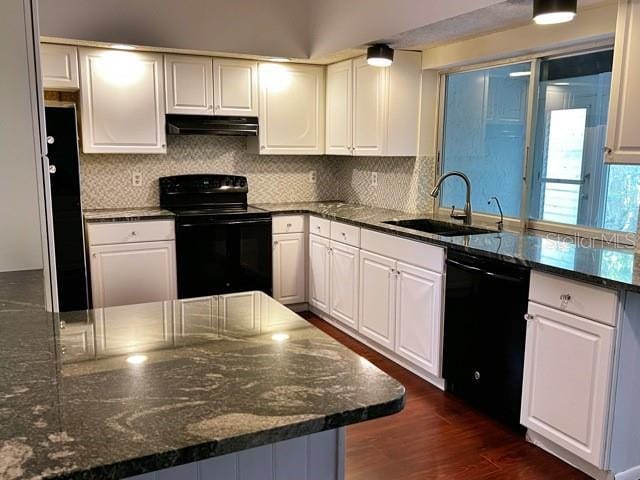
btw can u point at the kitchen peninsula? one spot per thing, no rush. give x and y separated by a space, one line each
233 385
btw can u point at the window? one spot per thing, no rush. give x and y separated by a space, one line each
484 135
571 184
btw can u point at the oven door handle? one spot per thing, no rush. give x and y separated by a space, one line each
226 222
471 268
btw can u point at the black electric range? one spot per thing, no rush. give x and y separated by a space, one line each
223 245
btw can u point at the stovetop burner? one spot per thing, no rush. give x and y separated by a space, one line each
219 211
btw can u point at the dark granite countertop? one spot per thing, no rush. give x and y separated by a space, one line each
587 261
126 214
222 374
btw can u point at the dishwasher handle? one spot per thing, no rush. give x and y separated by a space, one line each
482 271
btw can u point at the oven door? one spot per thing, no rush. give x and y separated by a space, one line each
217 256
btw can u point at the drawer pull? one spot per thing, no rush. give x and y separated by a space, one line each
133 234
289 225
565 298
344 234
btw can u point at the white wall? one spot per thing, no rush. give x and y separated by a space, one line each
20 240
260 27
342 24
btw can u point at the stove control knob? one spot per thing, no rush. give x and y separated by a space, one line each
228 182
243 183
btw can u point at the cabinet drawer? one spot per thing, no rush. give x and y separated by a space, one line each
320 226
288 224
130 232
342 232
574 297
416 253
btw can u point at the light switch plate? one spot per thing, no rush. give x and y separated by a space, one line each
313 176
374 179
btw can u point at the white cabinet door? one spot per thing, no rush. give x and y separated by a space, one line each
122 96
132 273
567 376
189 84
419 316
59 67
377 298
369 108
235 85
339 118
345 263
292 114
623 136
288 268
319 268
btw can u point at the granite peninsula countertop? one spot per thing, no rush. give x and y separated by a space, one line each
222 374
581 259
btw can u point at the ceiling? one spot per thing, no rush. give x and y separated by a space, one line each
314 31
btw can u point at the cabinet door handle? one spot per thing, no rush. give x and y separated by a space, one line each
275 242
528 317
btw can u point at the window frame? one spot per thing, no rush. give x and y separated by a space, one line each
524 222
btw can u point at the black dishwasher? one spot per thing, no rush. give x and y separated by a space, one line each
484 333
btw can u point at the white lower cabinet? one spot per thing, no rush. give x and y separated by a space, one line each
289 268
344 279
418 316
319 286
377 298
124 274
567 378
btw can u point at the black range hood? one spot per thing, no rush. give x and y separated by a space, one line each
211 125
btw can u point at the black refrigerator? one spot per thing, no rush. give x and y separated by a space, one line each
68 228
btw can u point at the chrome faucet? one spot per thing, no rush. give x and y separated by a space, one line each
501 222
466 216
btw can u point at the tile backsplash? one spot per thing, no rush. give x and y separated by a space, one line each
106 179
403 182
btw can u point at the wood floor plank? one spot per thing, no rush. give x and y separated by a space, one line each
438 436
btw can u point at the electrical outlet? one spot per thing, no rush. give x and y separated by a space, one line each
136 179
374 179
313 176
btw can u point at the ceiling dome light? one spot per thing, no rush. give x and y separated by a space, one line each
548 12
380 55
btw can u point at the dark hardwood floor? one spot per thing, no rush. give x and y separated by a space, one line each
437 436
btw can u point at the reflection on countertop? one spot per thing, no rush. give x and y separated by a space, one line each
114 392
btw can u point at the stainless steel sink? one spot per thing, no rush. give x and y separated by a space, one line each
444 229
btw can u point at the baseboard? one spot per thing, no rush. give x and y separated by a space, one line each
435 381
631 474
570 458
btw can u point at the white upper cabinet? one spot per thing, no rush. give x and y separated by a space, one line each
369 120
372 110
292 114
189 84
122 97
235 84
623 135
339 123
59 67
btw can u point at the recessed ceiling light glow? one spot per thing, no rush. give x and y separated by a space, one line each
279 59
280 337
561 84
136 359
520 74
549 12
122 46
